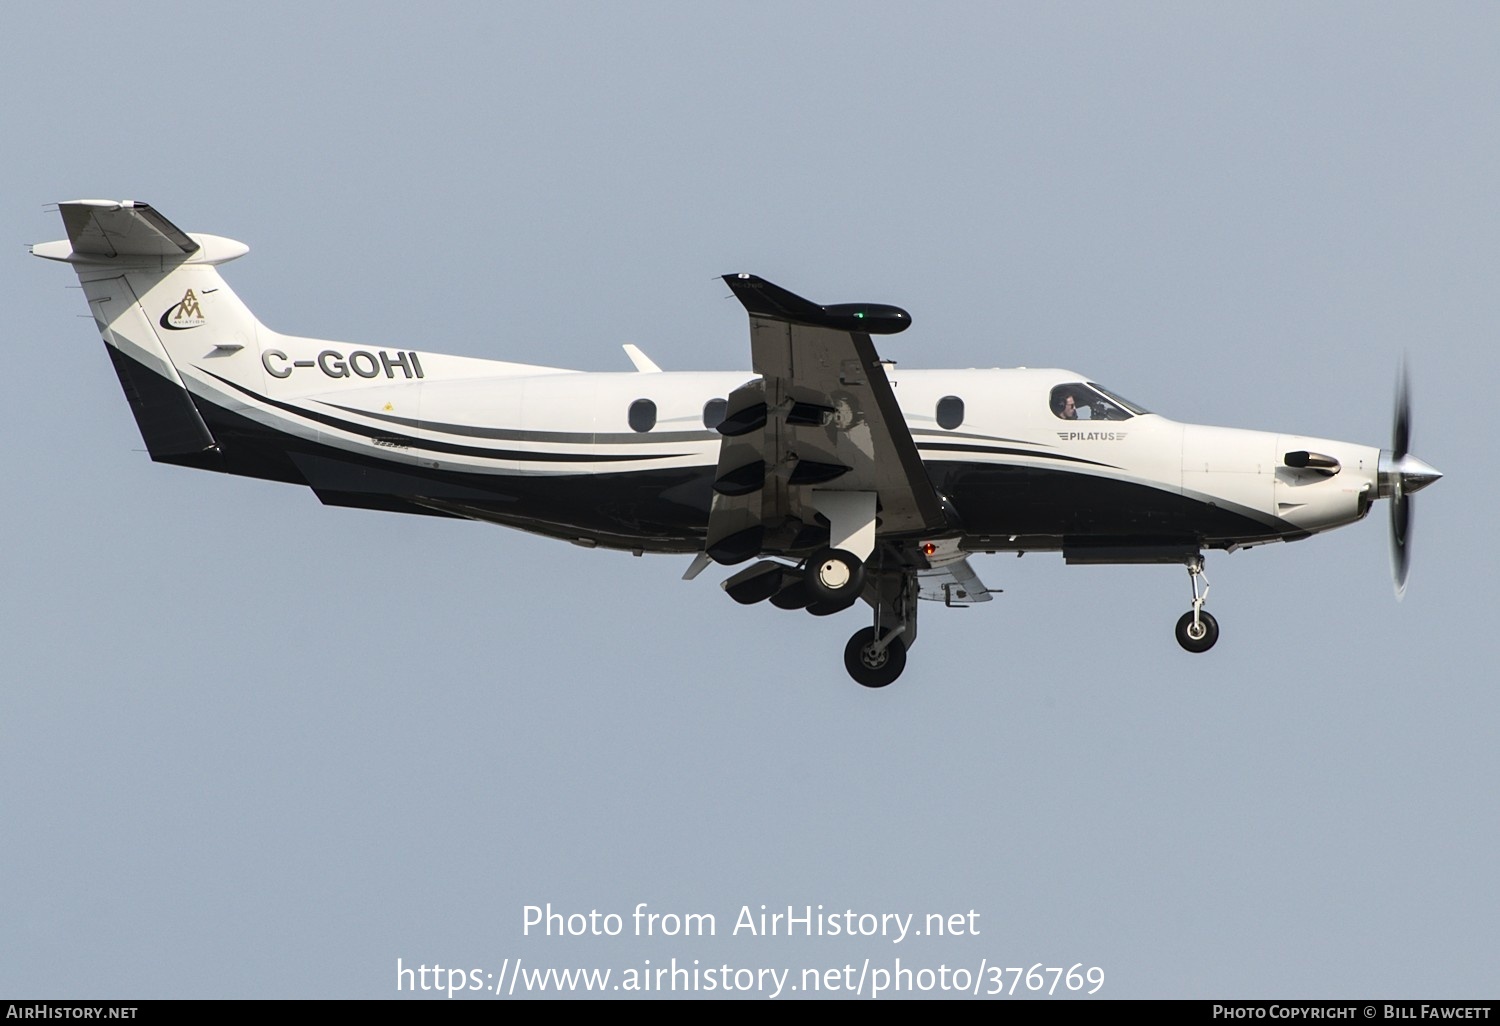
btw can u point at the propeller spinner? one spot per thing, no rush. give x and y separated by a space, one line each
1401 474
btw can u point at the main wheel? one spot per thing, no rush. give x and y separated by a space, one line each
1200 636
870 668
834 577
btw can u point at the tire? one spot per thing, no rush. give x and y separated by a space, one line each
834 577
1208 631
869 670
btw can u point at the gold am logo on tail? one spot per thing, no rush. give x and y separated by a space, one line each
186 314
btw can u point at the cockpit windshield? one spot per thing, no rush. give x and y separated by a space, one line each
1086 400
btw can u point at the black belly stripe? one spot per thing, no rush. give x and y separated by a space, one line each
1003 451
448 447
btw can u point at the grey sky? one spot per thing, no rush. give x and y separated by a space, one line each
256 747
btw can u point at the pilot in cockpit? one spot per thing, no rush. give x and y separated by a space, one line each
1065 405
1077 400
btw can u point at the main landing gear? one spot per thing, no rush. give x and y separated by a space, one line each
1197 630
829 582
833 580
876 655
875 662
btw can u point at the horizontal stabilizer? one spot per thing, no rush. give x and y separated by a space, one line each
124 231
124 228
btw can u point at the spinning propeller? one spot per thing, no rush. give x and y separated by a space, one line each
1402 474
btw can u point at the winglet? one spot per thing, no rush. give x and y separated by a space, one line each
774 303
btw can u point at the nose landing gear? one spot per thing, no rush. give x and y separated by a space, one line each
1197 630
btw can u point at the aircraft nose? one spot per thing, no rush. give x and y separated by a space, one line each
1411 473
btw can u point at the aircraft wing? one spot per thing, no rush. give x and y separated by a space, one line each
821 418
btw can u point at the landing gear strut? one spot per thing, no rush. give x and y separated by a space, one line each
1197 630
876 655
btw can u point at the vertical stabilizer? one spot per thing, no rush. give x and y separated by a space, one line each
156 296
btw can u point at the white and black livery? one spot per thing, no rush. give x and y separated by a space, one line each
834 476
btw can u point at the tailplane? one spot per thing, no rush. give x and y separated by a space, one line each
155 295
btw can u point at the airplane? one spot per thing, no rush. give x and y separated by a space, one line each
835 476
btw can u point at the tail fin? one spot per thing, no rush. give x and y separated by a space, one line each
134 263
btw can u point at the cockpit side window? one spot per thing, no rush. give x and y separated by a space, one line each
1117 400
1078 400
1071 402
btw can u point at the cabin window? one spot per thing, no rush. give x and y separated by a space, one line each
713 412
642 415
950 412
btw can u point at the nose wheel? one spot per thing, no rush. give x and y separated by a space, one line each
1197 630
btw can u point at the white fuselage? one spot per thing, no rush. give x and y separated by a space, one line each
1017 473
